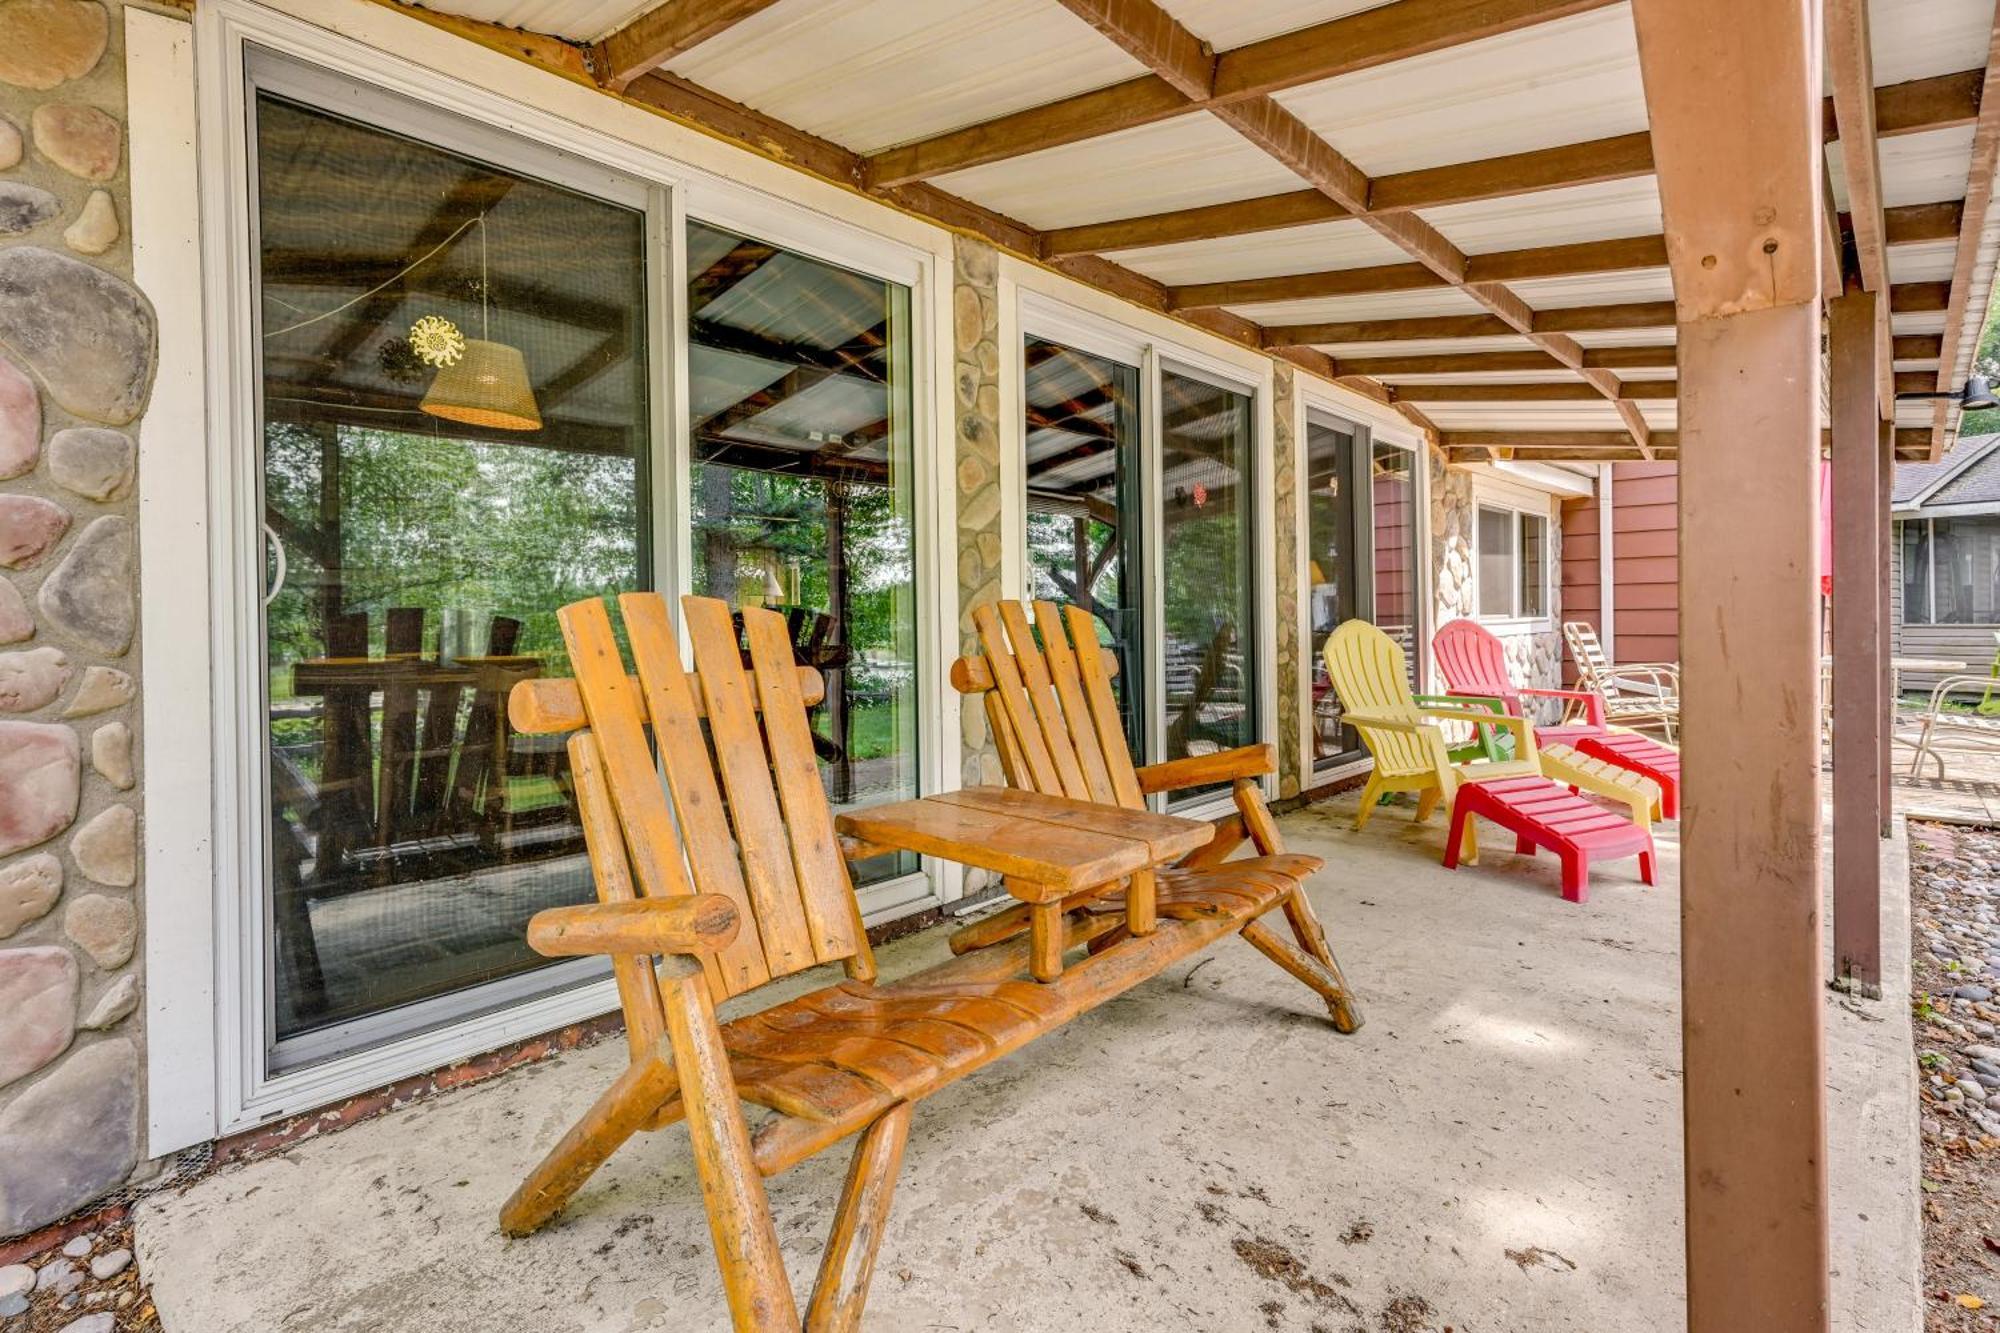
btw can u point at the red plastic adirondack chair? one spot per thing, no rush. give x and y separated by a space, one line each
1474 662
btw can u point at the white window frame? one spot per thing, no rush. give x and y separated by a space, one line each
206 1059
1036 303
1519 502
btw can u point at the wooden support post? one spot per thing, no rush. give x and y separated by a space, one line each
1733 96
1858 704
1885 676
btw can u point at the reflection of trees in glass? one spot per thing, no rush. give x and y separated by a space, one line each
449 526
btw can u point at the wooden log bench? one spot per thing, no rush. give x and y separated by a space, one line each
733 873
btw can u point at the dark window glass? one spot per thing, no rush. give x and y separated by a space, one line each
799 388
455 440
1534 558
1082 433
1207 535
1966 556
1496 562
1916 548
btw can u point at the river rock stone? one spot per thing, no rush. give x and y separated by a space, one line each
115 1004
103 687
105 847
111 754
37 1008
86 334
29 527
29 887
101 1322
41 771
31 679
47 42
80 139
20 422
88 597
70 1137
10 144
24 207
15 622
96 227
106 928
94 461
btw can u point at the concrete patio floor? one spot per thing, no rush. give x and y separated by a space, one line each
1498 1149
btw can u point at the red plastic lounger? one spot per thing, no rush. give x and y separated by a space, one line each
1644 756
1541 814
1475 663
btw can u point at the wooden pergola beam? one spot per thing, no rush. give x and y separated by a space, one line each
1618 158
1851 71
663 32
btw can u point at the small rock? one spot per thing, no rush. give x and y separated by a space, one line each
106 928
101 1322
84 332
24 208
114 1005
1982 1065
16 1280
111 754
96 227
41 771
107 1266
29 527
31 679
78 1246
29 887
1930 1127
80 139
69 1137
10 145
16 625
37 1008
47 42
1971 993
55 1273
13 1305
20 421
88 597
103 687
1981 1052
94 461
106 847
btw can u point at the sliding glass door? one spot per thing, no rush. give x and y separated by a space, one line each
455 385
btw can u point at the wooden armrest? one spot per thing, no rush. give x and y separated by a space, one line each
701 923
1245 761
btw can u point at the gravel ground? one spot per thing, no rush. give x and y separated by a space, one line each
1955 973
88 1285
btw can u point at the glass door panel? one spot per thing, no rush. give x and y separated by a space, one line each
1082 433
454 393
1207 538
799 388
1334 561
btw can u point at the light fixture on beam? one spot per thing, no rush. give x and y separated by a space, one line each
1976 396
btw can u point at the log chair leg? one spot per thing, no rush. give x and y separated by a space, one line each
732 1190
1346 1011
632 1103
1306 968
849 1261
1045 941
1141 899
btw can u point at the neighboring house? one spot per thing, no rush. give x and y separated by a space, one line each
1944 574
1639 619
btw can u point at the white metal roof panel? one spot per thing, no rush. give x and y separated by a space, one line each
1915 39
1180 163
1916 168
1557 376
1537 87
577 20
1228 24
1605 211
1929 262
1308 249
869 74
1625 338
1386 305
1577 414
1927 322
1499 342
1646 284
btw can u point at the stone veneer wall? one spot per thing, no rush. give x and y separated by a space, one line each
1285 498
975 309
77 351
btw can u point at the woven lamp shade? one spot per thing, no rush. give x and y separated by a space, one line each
487 386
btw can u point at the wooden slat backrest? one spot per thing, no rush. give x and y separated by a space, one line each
1049 705
771 850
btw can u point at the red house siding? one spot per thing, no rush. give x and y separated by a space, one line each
1645 553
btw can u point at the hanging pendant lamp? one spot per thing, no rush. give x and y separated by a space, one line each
488 384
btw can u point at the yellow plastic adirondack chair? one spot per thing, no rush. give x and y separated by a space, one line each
1405 737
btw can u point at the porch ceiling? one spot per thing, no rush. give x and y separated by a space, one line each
1378 192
